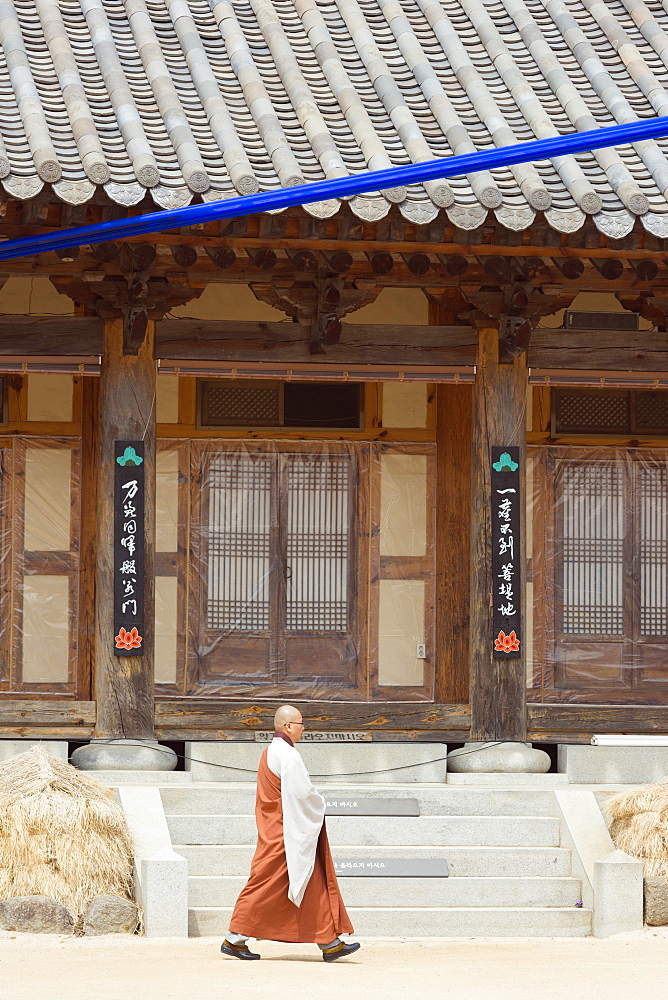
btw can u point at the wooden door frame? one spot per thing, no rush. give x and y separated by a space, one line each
281 688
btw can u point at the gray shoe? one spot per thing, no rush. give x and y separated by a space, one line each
340 951
239 951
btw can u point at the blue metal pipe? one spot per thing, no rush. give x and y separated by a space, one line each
340 187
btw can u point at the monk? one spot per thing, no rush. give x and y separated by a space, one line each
292 893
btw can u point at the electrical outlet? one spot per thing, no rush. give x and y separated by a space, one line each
421 651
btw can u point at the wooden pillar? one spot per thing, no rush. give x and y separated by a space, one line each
124 684
498 699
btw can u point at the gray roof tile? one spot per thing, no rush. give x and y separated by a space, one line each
214 98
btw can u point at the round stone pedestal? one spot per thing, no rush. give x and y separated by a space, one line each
124 755
498 758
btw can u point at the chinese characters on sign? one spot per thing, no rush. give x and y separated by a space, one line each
506 567
128 548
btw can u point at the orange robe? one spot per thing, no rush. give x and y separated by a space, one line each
263 909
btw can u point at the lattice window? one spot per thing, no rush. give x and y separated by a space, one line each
240 404
590 411
651 412
279 516
652 490
239 526
317 550
593 549
246 403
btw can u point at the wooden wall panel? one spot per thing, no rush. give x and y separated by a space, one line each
453 523
87 556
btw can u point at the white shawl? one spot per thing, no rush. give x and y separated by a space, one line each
303 814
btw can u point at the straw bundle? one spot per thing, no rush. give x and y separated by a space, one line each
640 825
61 834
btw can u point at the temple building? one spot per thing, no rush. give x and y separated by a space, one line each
319 399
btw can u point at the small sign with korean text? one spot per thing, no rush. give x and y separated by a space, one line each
392 867
128 548
343 805
312 736
506 551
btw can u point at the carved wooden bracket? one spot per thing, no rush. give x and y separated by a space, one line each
513 306
652 306
319 304
133 294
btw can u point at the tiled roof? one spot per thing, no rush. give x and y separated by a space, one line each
209 98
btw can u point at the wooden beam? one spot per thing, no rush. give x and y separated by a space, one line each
499 404
124 684
627 351
579 722
210 340
444 736
51 335
209 716
42 717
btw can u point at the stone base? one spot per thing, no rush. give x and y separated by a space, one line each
11 748
124 755
656 900
588 765
498 758
115 778
509 780
356 763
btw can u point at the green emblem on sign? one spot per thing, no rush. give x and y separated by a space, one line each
505 462
130 457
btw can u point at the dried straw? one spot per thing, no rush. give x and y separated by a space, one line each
639 825
61 834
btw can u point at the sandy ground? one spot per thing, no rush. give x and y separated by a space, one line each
42 967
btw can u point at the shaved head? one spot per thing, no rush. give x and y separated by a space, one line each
288 720
286 713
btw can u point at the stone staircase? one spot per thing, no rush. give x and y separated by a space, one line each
508 873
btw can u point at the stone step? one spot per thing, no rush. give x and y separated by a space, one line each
433 921
223 890
435 800
512 831
235 859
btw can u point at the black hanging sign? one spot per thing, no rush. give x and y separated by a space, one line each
506 566
128 548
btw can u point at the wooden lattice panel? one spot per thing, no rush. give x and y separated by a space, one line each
592 508
240 404
652 530
651 412
318 542
239 529
592 412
